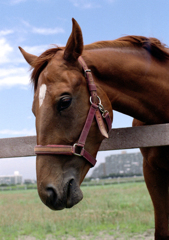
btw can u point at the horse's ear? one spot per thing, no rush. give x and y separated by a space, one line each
74 46
30 58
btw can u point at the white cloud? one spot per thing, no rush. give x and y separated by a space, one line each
5 49
41 30
36 50
110 1
47 31
13 2
24 132
85 4
13 76
6 32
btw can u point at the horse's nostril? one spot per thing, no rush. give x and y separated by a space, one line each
51 192
67 197
51 197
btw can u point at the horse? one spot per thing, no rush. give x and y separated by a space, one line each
76 89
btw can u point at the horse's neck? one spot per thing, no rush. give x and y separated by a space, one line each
135 83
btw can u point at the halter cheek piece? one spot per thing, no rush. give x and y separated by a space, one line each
96 110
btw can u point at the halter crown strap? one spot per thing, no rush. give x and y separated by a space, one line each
96 110
89 77
94 97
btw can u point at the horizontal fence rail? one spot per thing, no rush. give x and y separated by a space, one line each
120 138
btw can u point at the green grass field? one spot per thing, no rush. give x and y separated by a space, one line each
116 209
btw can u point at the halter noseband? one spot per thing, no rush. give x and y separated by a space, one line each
96 110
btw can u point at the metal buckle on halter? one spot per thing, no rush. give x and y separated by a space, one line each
102 110
100 106
85 71
99 103
77 149
104 113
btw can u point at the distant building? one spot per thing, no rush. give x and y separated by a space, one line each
11 180
125 164
29 181
100 171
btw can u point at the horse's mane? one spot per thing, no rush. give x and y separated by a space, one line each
152 45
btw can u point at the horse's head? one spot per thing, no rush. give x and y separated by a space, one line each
61 105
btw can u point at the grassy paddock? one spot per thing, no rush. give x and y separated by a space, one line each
121 209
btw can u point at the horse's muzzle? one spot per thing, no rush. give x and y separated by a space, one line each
67 198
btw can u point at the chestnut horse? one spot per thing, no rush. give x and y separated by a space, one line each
131 75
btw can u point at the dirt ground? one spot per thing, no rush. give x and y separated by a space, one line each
149 235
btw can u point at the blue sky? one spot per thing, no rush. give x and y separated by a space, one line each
35 25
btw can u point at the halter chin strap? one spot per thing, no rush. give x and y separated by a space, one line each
96 110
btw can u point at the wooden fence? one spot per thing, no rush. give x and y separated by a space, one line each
120 138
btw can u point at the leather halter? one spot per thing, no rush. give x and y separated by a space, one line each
96 110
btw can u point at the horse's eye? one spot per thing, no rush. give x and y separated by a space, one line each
64 103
